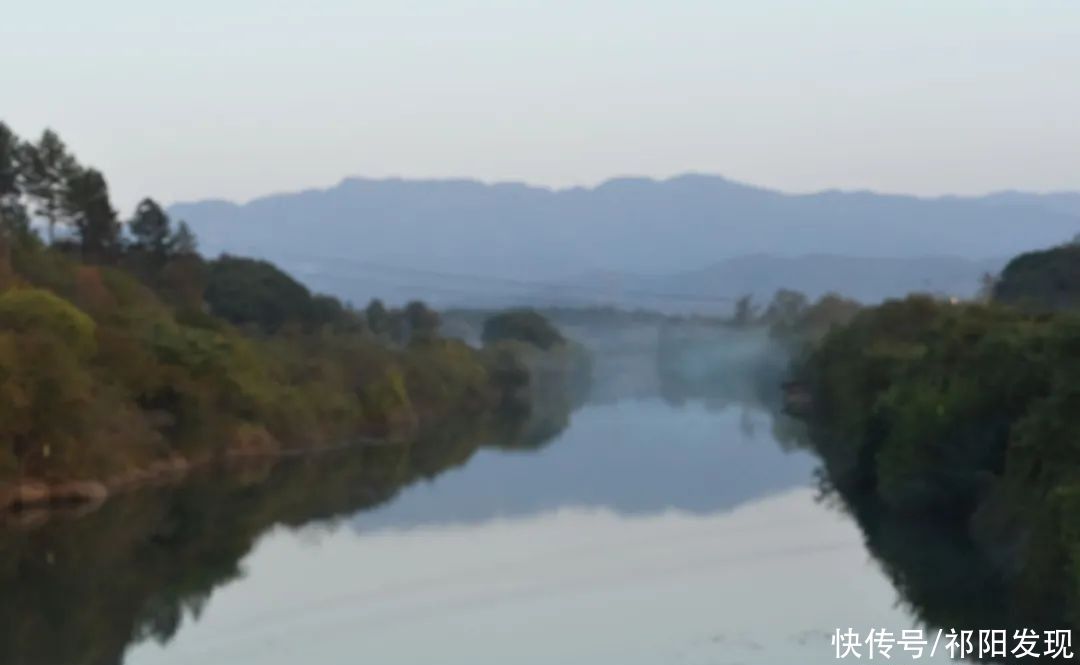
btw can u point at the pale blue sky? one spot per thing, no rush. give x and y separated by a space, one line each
236 98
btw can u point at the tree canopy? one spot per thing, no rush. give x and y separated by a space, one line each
122 348
257 293
1045 280
523 325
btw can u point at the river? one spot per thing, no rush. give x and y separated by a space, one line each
649 530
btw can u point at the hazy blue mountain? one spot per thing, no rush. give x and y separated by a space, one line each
689 237
1064 202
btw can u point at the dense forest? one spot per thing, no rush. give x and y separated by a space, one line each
965 415
125 355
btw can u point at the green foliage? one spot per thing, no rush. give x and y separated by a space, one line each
377 317
966 413
422 321
46 170
523 325
250 292
183 241
444 376
39 313
793 320
925 394
150 230
785 309
13 217
44 393
86 203
1046 280
113 355
144 563
9 147
98 372
181 281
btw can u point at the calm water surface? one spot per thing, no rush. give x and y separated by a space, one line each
644 533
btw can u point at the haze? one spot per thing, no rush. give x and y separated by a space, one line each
241 98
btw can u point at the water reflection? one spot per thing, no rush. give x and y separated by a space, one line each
633 457
616 491
949 580
81 589
763 583
681 527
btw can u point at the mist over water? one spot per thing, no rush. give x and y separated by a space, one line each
666 523
672 515
576 333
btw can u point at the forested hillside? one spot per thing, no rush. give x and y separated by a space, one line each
1046 280
125 354
965 414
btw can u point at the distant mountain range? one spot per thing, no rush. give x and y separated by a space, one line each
687 243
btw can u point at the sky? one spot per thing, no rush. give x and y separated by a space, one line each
239 98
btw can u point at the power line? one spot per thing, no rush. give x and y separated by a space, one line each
535 287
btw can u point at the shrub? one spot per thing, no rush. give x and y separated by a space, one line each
523 325
39 312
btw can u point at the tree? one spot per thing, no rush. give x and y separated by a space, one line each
39 312
9 148
88 206
814 321
745 311
182 281
1045 280
422 321
786 308
396 329
183 241
151 232
47 170
523 325
13 217
251 292
378 319
987 284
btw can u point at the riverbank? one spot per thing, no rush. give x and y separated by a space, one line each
962 416
34 494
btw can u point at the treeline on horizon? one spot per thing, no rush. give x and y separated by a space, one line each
122 348
966 414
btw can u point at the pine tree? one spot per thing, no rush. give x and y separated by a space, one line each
9 147
183 242
87 205
151 231
14 221
46 169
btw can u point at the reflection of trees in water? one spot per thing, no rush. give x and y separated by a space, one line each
719 366
722 367
946 574
81 590
949 574
559 383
